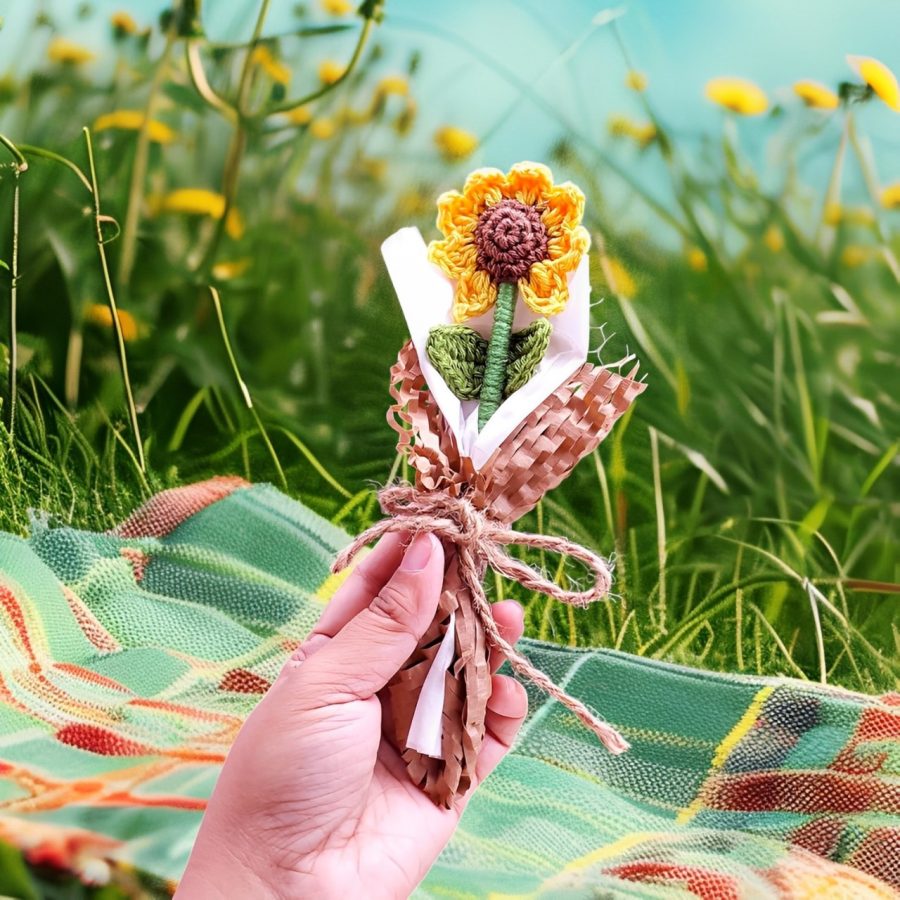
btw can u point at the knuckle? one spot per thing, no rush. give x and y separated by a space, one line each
395 605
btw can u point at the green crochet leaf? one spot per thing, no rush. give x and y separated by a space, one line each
526 350
458 354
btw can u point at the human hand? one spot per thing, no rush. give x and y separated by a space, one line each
313 800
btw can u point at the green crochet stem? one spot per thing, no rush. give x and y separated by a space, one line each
498 353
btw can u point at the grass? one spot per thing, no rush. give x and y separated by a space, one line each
749 498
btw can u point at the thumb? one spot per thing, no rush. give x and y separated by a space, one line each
363 656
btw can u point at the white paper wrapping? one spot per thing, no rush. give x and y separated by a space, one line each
426 297
426 731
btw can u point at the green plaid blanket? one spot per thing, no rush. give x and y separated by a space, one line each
129 661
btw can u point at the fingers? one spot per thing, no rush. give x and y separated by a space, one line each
363 583
510 619
361 658
506 711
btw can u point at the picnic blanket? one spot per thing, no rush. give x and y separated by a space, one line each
128 661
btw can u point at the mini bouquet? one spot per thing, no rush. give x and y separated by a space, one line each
491 415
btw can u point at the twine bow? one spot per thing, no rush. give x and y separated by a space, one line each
481 542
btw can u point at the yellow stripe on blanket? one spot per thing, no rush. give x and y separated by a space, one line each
728 743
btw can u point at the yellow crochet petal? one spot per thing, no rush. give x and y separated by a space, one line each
529 182
546 290
484 187
455 255
564 207
452 206
475 295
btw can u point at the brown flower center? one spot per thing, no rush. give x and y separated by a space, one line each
509 238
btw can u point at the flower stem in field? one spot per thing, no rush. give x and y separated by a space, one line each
833 190
19 166
139 169
867 166
242 385
497 354
99 219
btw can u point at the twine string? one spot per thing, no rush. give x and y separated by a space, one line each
481 541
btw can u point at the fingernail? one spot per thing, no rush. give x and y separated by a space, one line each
418 553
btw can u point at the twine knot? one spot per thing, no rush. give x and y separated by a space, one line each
482 541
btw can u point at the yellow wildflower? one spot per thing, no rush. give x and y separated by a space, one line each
878 77
393 84
68 53
413 203
374 167
330 71
853 256
455 143
323 129
851 215
642 133
696 259
475 253
274 68
619 278
200 202
635 81
123 23
737 94
774 239
299 115
133 120
890 196
100 314
816 95
337 7
223 271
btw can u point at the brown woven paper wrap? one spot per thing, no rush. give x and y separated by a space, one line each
534 458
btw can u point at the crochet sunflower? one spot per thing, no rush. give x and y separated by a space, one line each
505 235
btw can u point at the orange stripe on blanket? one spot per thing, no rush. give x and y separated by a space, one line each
163 513
91 676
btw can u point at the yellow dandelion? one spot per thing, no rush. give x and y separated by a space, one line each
323 129
738 95
123 23
225 270
100 314
374 167
635 81
890 196
68 53
393 84
200 202
455 143
853 256
299 115
696 259
619 278
330 71
133 120
832 214
413 203
878 77
774 239
642 133
816 95
274 68
337 7
835 214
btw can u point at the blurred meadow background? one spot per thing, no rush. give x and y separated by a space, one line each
193 286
